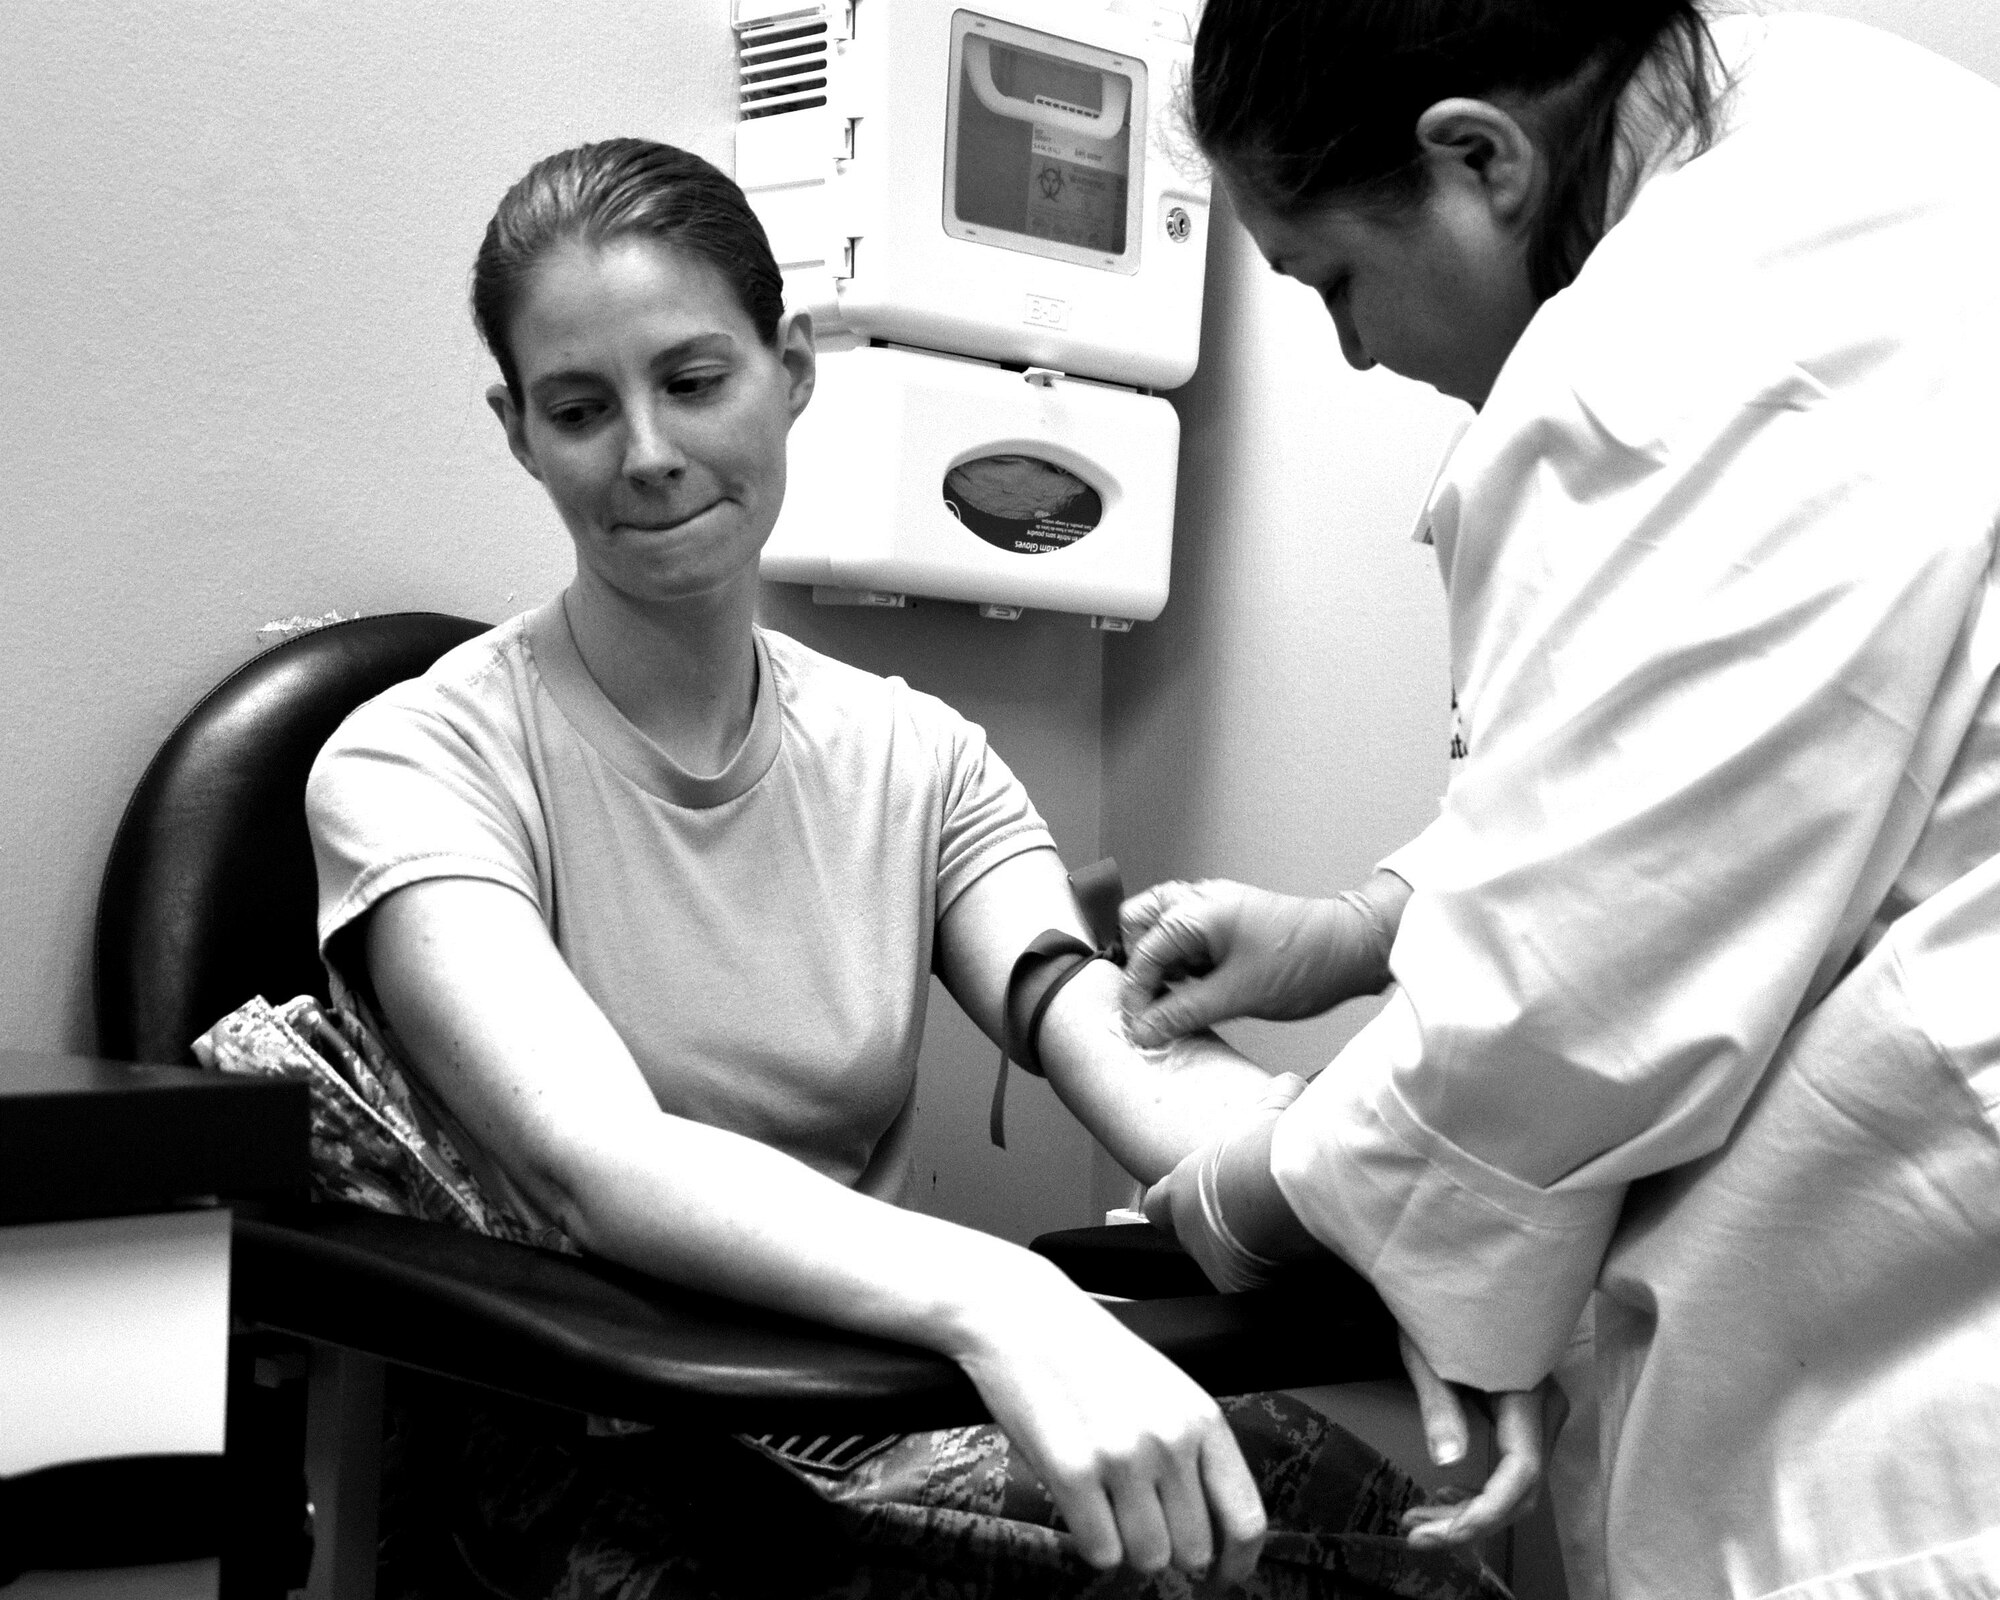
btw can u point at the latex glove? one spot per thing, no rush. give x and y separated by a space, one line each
1138 1459
1223 1206
1523 1423
1201 953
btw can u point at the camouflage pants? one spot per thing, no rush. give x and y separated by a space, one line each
485 1496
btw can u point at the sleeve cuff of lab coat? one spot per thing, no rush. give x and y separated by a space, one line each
1407 861
1487 1273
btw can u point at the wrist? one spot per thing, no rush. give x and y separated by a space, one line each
1369 917
987 1288
1340 942
1258 1216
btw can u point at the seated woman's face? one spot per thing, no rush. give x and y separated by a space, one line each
653 414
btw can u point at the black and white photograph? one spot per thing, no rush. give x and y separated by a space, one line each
995 799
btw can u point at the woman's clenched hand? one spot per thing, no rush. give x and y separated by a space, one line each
1137 1458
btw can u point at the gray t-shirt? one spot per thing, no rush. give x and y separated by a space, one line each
760 939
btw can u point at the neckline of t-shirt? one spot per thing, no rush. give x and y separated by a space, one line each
610 733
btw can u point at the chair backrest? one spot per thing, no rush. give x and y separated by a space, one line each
209 894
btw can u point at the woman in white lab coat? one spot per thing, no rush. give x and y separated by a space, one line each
1695 1031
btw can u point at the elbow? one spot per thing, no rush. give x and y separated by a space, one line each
582 1224
567 1184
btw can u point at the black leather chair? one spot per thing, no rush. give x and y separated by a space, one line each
208 898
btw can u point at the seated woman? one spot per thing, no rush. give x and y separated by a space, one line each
649 899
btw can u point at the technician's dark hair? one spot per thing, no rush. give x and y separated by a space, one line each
621 188
1304 101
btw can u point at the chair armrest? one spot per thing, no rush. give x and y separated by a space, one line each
1328 1309
1134 1260
572 1331
590 1336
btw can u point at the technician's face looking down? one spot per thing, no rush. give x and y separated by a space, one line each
1435 289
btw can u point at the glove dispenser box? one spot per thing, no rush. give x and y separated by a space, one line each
964 480
995 179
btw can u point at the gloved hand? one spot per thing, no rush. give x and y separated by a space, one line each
1200 953
1223 1205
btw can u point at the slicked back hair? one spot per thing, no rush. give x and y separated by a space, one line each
617 189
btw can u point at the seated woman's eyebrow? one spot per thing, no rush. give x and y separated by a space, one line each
703 344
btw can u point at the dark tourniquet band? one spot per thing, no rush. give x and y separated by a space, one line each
1048 963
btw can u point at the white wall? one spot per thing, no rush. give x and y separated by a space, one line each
242 385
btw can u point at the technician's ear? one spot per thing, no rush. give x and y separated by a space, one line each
1476 146
510 422
795 350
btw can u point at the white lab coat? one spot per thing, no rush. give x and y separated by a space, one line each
1699 988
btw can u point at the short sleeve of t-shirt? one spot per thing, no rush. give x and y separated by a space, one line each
987 814
426 781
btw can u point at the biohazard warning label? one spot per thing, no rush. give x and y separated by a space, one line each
1076 190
